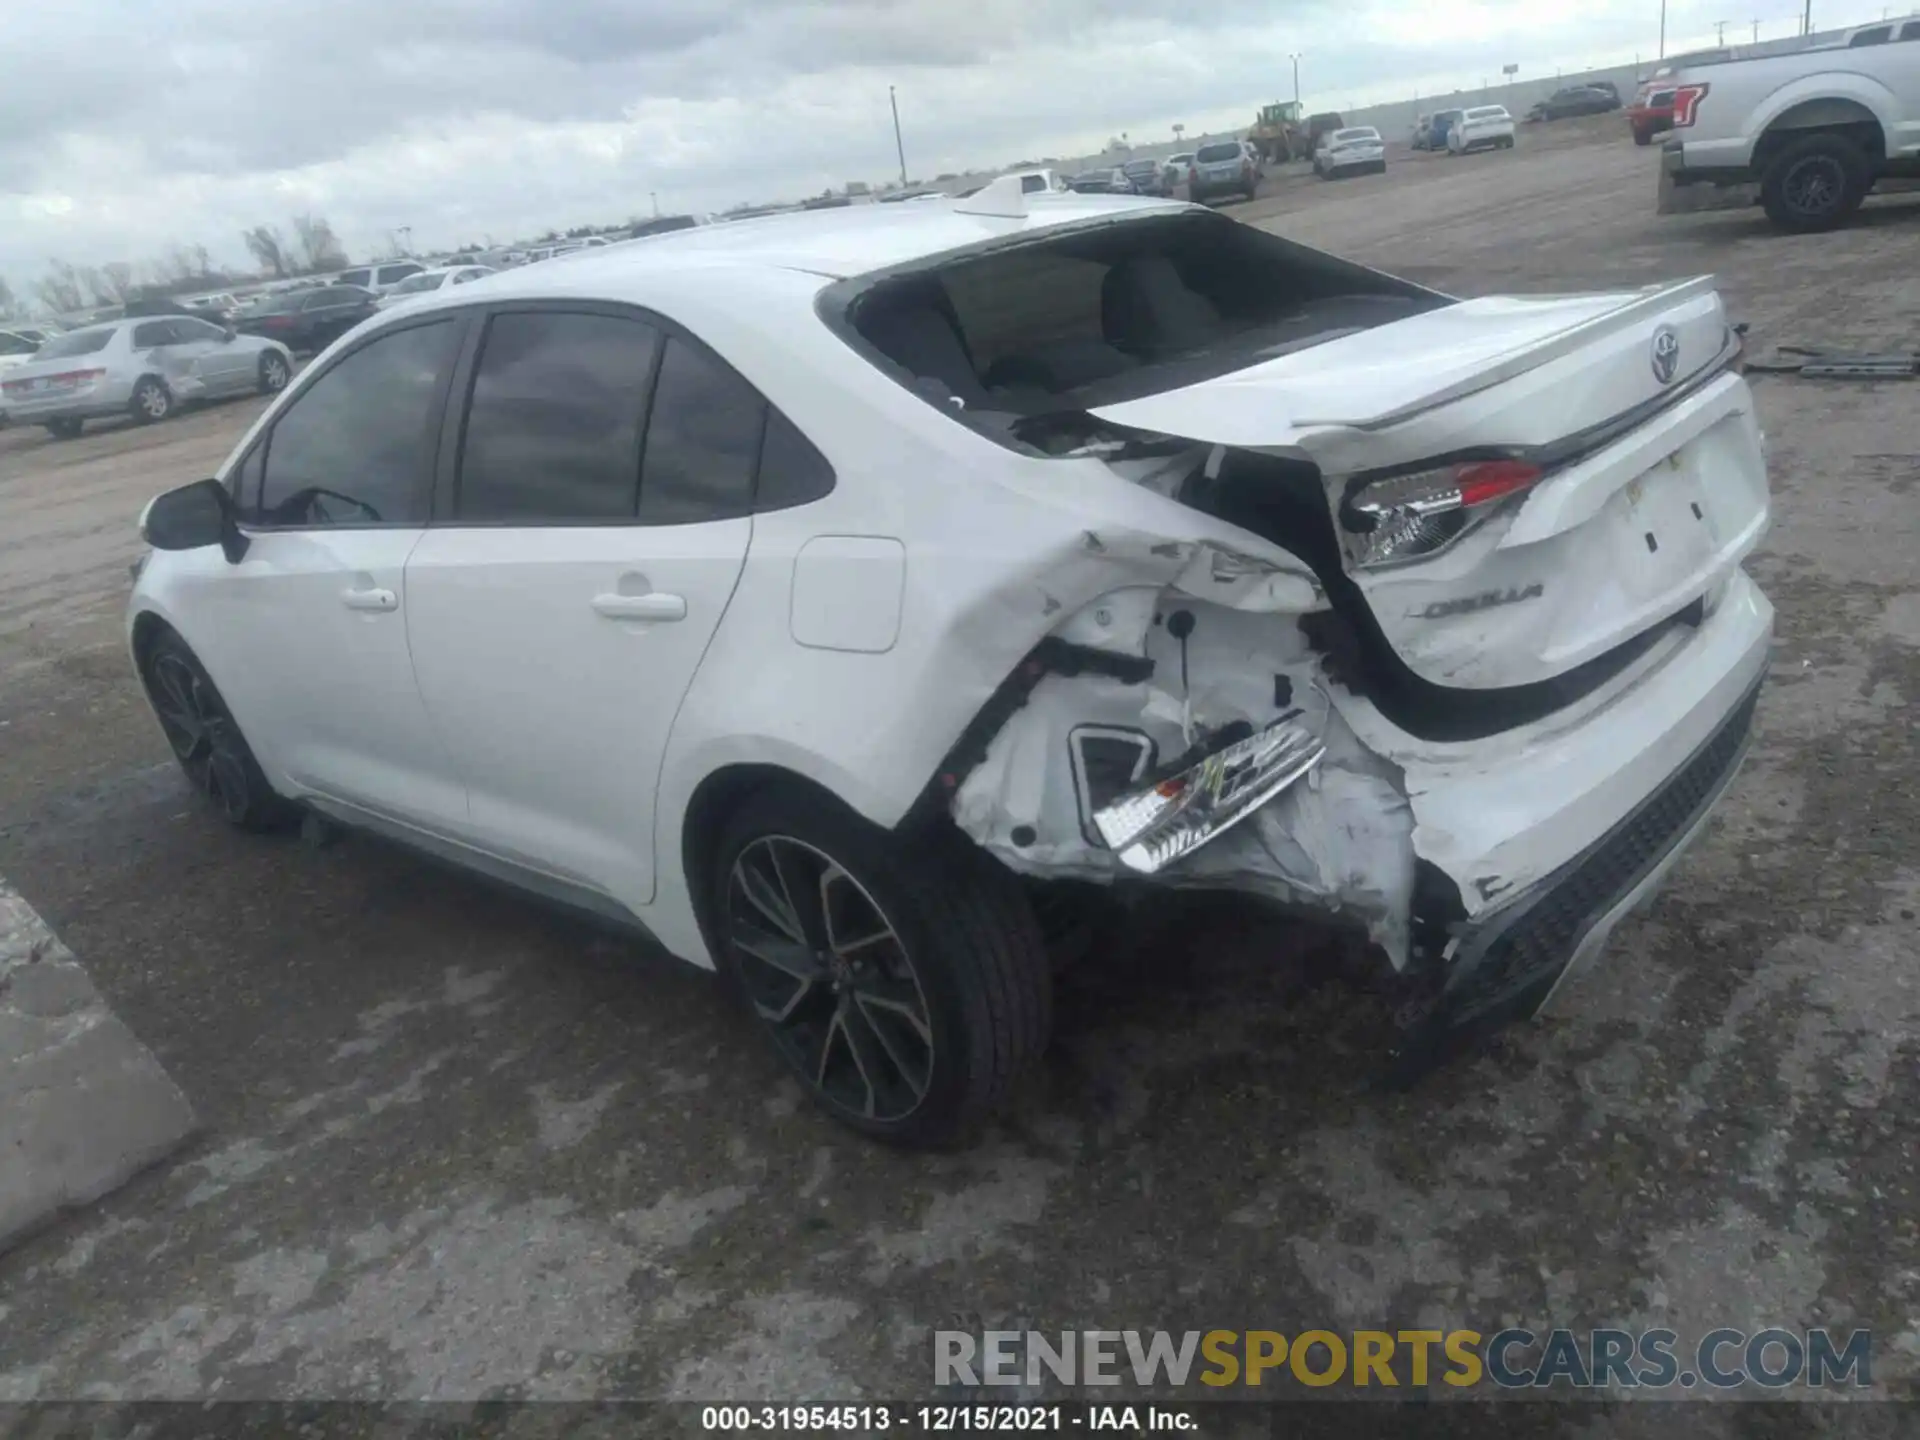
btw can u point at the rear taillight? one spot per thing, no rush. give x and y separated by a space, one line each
14 387
1193 174
1406 516
1686 100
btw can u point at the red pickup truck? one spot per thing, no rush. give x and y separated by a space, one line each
1651 111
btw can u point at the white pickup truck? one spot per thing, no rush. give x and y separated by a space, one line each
1815 129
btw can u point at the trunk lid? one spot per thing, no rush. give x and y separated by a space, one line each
1654 484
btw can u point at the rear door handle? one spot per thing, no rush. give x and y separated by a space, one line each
380 600
655 605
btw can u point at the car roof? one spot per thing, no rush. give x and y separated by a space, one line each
837 244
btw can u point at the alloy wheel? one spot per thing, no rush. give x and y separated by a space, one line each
274 370
1813 187
828 973
153 401
204 738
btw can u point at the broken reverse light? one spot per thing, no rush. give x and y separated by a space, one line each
1156 824
1408 516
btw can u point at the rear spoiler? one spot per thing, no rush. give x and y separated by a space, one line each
1564 342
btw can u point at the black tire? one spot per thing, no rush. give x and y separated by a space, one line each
1642 137
206 739
1815 182
65 428
1506 142
151 401
275 372
950 990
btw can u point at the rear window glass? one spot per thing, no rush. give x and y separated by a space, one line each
1356 135
1105 314
1216 153
75 342
1486 112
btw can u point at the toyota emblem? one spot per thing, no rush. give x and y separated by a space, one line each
1666 354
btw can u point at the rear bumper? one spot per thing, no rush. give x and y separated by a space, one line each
95 404
1510 964
1719 163
1502 815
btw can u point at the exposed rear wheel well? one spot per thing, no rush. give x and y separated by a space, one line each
1847 117
715 799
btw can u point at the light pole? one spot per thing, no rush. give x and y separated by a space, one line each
1296 80
406 239
899 148
1663 31
654 195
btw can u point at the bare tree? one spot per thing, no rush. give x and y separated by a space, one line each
175 266
95 285
202 261
318 247
266 245
7 302
61 290
119 278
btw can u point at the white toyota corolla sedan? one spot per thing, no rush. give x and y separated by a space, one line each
829 595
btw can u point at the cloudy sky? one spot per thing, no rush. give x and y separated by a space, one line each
129 126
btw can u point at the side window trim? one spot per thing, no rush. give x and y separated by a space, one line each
423 489
443 514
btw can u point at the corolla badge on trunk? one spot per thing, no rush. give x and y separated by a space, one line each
1467 604
1666 354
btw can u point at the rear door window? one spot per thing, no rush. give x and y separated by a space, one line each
153 334
553 426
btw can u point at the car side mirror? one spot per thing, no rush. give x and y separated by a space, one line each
192 517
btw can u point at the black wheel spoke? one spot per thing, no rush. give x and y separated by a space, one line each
849 1055
765 889
176 702
900 1030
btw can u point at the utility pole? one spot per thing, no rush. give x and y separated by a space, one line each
1663 30
899 148
1756 30
1806 19
1719 32
654 195
1296 81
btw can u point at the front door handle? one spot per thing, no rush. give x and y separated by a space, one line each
379 600
654 605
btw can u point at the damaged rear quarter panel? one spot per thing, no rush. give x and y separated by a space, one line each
1000 549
